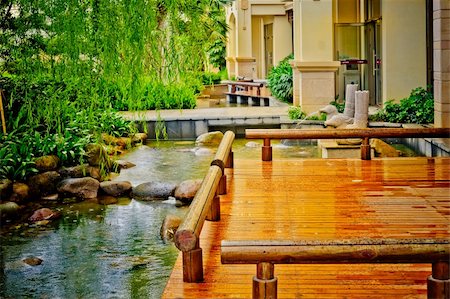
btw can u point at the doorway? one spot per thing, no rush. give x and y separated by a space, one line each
373 55
268 47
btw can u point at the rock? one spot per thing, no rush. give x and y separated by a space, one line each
43 183
80 171
116 188
153 191
32 261
252 144
44 214
10 209
169 227
51 197
42 222
124 164
108 139
47 163
139 138
186 191
97 156
107 200
80 187
210 138
203 151
5 189
383 149
20 193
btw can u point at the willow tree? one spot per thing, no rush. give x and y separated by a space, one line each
94 54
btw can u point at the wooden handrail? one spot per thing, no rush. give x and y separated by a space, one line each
205 206
335 251
222 157
265 254
188 233
366 134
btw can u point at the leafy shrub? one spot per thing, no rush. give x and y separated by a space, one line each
280 80
417 108
211 78
295 112
216 53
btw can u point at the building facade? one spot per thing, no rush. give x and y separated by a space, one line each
388 47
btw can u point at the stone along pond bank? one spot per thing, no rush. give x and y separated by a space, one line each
38 200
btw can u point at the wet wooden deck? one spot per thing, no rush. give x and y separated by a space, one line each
324 199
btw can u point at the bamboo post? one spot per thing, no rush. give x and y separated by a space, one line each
267 150
264 283
365 149
438 283
2 113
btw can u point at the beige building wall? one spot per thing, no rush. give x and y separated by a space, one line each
282 38
248 58
441 48
403 47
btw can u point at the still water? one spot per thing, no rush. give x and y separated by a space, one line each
115 251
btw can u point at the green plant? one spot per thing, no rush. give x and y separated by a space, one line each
295 112
16 158
280 80
211 78
417 108
339 104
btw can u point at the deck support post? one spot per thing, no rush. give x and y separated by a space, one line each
365 149
214 210
264 283
222 189
438 283
267 150
193 265
230 160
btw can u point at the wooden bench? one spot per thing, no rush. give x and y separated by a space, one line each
265 254
242 92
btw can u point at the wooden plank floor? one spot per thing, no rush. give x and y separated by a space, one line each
325 199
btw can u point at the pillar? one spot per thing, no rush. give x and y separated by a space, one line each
313 65
441 68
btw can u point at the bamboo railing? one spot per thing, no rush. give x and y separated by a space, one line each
265 254
365 134
205 206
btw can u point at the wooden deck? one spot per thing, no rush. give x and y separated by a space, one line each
324 199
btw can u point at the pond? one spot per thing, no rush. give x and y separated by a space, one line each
114 251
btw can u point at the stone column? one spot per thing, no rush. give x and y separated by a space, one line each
441 68
313 65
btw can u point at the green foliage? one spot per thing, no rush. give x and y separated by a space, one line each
16 158
340 106
217 52
211 78
295 112
280 80
417 108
